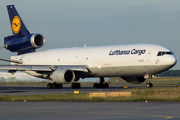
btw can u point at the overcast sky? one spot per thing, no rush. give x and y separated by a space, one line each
73 23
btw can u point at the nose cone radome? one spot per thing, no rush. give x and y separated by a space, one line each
172 60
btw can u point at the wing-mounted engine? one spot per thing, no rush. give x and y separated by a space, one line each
62 76
32 41
134 79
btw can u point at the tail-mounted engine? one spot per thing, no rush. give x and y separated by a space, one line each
134 79
30 42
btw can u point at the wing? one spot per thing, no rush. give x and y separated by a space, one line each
57 73
47 68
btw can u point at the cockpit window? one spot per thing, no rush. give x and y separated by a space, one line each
164 53
169 53
159 53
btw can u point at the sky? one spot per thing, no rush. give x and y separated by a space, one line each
73 23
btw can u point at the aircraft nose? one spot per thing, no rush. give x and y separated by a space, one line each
172 60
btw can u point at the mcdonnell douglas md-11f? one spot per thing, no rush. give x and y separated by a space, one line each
134 63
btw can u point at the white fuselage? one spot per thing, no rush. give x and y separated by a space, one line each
118 60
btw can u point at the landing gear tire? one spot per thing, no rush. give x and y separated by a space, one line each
95 85
78 85
149 85
106 85
75 85
49 86
101 85
59 86
54 86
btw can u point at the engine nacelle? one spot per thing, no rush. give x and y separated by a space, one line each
62 76
32 41
134 79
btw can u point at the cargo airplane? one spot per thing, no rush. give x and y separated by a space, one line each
134 63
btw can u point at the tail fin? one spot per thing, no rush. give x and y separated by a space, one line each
21 41
16 22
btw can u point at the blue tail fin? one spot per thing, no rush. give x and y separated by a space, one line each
21 41
17 25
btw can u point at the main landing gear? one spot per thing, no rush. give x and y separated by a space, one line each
102 84
75 85
54 86
60 86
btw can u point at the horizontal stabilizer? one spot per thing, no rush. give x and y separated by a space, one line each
14 61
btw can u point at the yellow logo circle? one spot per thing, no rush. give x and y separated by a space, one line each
16 24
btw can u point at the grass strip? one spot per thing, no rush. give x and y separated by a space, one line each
138 94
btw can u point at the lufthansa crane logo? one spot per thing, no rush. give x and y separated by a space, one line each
16 24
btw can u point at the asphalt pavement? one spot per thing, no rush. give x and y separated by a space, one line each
89 110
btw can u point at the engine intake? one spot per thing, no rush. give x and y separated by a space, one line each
134 79
37 40
62 76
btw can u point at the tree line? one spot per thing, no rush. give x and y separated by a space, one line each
169 73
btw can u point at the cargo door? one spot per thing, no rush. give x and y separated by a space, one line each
148 59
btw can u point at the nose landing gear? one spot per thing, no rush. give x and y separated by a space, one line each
149 84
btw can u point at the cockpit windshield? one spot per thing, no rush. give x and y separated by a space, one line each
161 53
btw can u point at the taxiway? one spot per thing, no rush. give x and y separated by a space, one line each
89 110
